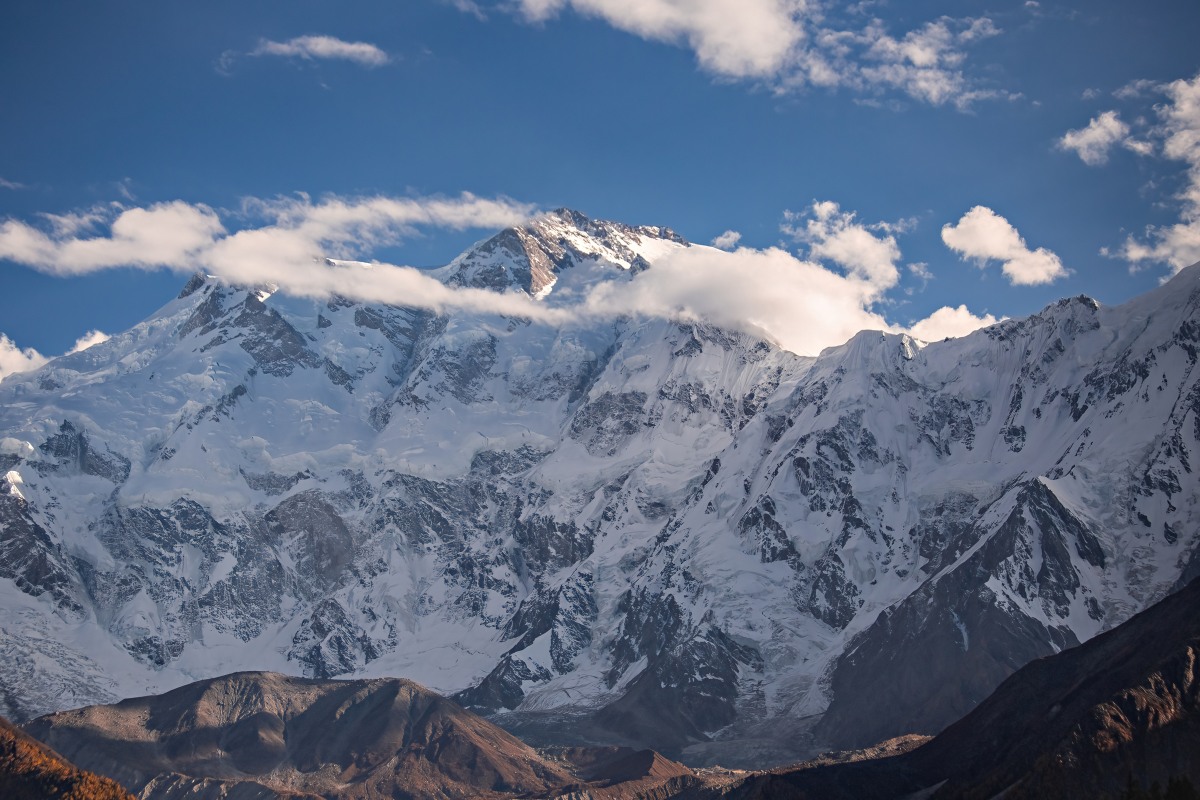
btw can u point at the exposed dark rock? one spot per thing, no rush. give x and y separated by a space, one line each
72 452
323 546
31 560
1111 718
329 644
606 423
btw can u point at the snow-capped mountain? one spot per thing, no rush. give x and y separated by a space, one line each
651 530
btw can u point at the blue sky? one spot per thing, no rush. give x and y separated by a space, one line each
704 115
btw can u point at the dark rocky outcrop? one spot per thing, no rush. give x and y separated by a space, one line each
931 658
1111 718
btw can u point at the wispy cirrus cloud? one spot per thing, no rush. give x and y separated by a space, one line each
313 47
794 45
323 47
925 64
468 7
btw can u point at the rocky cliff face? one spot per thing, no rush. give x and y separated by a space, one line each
647 531
1110 718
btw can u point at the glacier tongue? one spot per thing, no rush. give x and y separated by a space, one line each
641 530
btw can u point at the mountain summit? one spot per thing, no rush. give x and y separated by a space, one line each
532 256
650 532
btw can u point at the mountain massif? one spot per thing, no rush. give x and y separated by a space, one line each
630 531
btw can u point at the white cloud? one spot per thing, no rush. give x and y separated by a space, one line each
24 359
1176 245
800 305
306 247
1181 126
89 339
1178 134
1093 143
1135 89
727 240
735 38
17 359
983 235
225 62
318 47
164 235
467 7
185 237
834 235
290 249
6 184
926 62
1141 147
74 222
796 44
949 323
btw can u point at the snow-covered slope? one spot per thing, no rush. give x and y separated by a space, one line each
668 532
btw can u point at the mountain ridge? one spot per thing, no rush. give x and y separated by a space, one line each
256 731
567 523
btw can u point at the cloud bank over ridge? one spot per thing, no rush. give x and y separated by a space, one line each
319 248
23 359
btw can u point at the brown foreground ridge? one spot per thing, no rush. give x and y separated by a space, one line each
264 735
1117 717
286 736
31 771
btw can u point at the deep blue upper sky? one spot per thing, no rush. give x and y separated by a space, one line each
141 103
